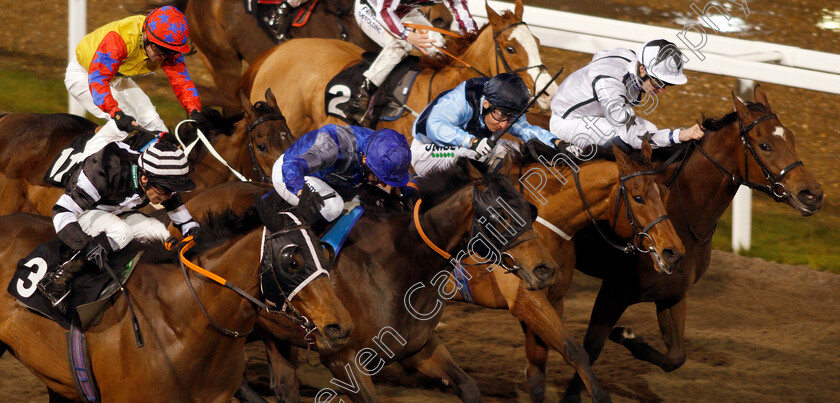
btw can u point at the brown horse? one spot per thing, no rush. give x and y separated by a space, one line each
506 43
227 35
749 146
183 359
394 285
30 142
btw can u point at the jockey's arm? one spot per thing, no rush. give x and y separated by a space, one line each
82 194
526 131
462 15
182 84
179 215
448 118
615 105
323 153
106 61
386 15
641 127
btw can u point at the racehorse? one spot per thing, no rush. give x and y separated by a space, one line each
505 44
394 285
186 356
227 35
30 142
748 147
609 188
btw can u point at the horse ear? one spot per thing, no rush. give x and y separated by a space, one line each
518 10
624 162
742 110
250 112
761 96
269 97
495 19
474 173
647 150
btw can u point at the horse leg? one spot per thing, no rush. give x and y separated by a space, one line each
536 352
671 317
533 308
434 361
282 365
348 378
605 314
246 394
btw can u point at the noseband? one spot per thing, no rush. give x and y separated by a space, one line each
258 172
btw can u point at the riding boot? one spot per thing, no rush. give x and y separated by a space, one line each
56 285
277 20
357 107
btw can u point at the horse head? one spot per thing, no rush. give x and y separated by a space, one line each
640 211
517 51
269 135
770 152
500 223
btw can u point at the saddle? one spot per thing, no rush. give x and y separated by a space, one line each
388 102
91 289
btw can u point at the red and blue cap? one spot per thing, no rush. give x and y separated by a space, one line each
167 27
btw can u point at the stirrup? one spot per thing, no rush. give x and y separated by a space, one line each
56 300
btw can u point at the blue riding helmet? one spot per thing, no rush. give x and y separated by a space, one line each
389 157
507 92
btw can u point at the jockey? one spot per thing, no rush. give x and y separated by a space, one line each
382 21
341 157
595 104
460 122
97 213
106 59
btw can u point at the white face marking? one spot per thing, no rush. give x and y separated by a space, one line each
780 131
523 35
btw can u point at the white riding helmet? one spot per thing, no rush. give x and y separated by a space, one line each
663 61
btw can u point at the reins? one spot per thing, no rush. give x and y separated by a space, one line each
440 48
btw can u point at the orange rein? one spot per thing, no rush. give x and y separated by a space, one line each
422 234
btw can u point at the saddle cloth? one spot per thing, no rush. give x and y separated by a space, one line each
87 287
389 99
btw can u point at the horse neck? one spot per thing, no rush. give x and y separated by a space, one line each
564 208
703 187
234 150
476 56
446 225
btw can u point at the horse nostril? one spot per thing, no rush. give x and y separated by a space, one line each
808 197
335 331
670 256
543 272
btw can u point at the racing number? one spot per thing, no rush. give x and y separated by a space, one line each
33 278
342 93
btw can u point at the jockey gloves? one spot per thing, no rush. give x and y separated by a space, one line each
389 157
167 27
508 93
663 61
165 165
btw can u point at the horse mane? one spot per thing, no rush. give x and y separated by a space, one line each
717 124
220 226
459 45
440 184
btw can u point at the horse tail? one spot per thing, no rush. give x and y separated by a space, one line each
181 5
246 83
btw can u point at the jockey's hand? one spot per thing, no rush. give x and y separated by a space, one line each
201 119
192 232
126 123
309 205
97 250
481 146
692 133
420 40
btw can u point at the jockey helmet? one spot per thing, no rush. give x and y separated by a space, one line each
167 27
165 165
663 61
507 92
389 157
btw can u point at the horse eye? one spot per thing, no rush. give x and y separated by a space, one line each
765 147
262 147
291 259
639 199
510 49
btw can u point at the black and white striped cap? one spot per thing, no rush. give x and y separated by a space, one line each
166 164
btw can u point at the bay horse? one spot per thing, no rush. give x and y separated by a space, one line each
504 44
394 285
184 358
608 186
228 36
30 142
749 146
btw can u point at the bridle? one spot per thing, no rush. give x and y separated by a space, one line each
258 171
774 187
640 232
500 55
